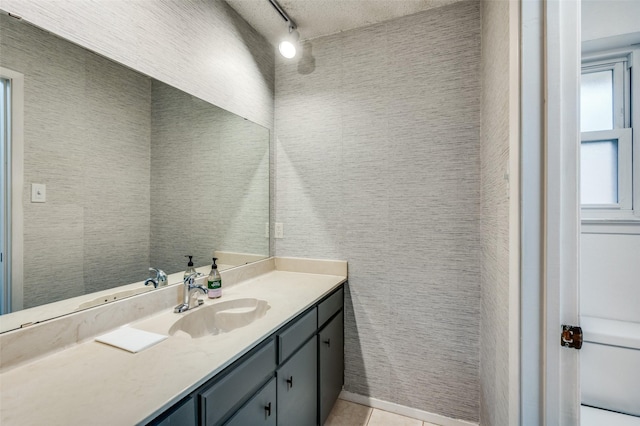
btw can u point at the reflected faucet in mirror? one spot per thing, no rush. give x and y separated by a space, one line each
160 279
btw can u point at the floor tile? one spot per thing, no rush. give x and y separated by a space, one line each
384 418
346 413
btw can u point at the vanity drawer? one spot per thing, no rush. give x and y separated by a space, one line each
331 305
224 396
296 334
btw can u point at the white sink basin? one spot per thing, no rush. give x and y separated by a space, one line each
220 317
112 297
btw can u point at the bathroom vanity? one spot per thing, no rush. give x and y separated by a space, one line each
290 378
284 368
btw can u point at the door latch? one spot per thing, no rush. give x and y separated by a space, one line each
571 336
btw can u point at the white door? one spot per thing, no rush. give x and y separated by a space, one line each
563 30
562 210
550 64
550 67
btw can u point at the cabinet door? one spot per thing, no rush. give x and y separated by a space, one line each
298 387
331 364
259 410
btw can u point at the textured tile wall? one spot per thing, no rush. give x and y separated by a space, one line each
97 174
209 181
202 47
494 155
378 163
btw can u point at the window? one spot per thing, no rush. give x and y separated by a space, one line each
609 174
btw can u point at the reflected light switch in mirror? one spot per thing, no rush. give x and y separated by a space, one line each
38 193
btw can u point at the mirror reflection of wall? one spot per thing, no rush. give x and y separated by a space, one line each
137 173
209 181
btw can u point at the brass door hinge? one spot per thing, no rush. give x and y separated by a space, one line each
571 336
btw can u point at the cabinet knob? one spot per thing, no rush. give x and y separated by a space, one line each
290 382
327 342
267 410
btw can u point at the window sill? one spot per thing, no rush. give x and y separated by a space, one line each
630 226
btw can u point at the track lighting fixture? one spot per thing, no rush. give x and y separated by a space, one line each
288 45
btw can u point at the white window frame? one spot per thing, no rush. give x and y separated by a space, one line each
625 64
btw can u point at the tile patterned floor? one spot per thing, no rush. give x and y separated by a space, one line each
347 413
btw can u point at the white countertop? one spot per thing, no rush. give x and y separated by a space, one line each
93 383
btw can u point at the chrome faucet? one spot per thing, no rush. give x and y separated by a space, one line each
159 280
187 301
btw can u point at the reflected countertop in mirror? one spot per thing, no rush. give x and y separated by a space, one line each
137 174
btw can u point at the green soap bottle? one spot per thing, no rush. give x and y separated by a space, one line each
214 282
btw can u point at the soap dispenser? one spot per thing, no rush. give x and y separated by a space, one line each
190 269
214 282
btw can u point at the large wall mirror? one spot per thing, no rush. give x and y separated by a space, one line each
136 173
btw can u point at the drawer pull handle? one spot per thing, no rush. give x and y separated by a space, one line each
290 382
328 342
267 409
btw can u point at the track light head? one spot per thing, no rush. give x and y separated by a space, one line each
289 44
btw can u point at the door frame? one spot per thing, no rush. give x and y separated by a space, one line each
550 87
17 184
562 209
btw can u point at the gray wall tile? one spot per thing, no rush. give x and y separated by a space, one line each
494 154
378 163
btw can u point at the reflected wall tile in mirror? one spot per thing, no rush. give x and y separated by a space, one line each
60 238
116 175
219 157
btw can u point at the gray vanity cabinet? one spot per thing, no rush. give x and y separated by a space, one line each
293 377
297 388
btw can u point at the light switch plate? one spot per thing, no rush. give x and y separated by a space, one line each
38 193
279 230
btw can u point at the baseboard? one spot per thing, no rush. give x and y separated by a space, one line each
403 410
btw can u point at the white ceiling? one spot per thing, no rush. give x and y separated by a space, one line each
316 18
